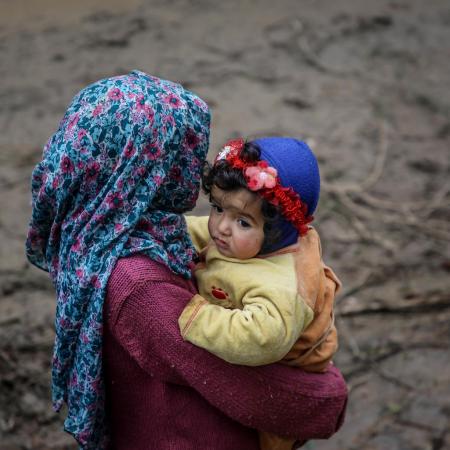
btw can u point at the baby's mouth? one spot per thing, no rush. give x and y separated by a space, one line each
220 243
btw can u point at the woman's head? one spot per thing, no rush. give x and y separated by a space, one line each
127 148
280 175
124 162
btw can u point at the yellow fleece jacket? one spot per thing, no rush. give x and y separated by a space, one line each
254 311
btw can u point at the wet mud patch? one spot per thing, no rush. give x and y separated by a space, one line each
365 83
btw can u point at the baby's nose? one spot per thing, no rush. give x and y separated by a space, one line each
224 225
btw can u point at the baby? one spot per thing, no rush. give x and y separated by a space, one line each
265 294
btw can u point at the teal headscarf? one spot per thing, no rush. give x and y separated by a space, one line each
123 165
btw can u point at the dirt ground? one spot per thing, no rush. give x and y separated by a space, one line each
365 83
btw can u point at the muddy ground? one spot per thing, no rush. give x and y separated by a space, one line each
366 83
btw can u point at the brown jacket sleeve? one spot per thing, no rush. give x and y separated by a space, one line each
317 284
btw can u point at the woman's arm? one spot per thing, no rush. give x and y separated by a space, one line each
274 398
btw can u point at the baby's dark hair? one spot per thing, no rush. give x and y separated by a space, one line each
228 178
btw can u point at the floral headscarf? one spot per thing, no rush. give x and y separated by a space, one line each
123 165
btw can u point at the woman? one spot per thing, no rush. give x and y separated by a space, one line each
106 223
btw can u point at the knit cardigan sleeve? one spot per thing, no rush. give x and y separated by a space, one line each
275 398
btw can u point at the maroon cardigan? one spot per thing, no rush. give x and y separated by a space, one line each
164 393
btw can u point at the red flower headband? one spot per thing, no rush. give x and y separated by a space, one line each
264 180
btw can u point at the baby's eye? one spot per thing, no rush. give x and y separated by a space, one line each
243 223
216 208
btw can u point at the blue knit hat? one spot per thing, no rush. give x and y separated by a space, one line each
297 168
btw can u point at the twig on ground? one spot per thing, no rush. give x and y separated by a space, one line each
391 379
348 336
9 320
364 208
365 282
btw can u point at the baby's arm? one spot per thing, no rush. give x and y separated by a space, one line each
261 333
198 231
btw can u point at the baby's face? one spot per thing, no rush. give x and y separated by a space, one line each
236 223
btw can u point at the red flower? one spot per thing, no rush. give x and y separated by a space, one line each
115 94
73 121
201 104
76 245
191 139
172 100
114 200
175 174
140 171
149 113
95 281
261 176
55 182
92 171
81 134
98 109
140 103
129 150
79 272
66 164
145 225
151 152
170 120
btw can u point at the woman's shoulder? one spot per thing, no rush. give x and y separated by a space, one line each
136 270
133 269
136 279
140 267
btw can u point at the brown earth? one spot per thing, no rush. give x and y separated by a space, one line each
366 83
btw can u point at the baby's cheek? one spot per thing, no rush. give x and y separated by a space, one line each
211 224
251 247
258 245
